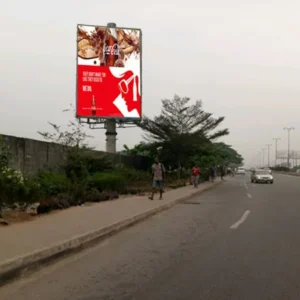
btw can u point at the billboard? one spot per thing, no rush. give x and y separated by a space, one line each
108 72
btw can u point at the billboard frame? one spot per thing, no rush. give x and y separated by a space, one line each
102 120
101 123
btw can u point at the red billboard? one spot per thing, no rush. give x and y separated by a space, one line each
108 72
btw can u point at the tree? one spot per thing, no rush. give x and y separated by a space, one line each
5 154
72 137
77 165
138 149
181 129
214 155
226 155
5 157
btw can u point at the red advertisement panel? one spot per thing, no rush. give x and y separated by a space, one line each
108 73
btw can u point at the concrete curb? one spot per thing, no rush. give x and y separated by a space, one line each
19 266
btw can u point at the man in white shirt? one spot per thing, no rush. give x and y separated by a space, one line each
158 176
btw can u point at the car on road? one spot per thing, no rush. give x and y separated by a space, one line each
241 171
262 176
268 169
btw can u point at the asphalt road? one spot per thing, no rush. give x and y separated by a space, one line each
238 241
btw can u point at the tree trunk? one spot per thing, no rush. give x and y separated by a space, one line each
179 169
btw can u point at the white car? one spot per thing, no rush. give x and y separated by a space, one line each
268 169
262 176
241 171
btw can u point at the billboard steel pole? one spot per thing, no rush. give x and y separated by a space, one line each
110 124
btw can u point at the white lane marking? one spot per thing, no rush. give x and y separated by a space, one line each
249 196
242 220
246 186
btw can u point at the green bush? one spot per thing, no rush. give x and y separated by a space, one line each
172 176
281 169
204 175
132 175
60 201
33 191
95 165
52 183
76 171
15 188
12 186
107 182
178 183
93 195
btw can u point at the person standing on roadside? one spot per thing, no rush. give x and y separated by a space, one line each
195 173
158 176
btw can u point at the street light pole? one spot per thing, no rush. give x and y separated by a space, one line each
276 140
263 155
289 134
269 145
260 160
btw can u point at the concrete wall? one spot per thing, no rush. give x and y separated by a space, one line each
30 156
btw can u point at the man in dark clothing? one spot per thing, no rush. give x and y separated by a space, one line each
212 174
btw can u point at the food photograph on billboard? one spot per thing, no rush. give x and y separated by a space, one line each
108 72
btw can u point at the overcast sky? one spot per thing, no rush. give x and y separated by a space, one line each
240 57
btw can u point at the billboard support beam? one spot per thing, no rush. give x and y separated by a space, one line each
111 136
111 128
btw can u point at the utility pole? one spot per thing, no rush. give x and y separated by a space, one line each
288 129
293 157
259 159
276 153
269 145
263 156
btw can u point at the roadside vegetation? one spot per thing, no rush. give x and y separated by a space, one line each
181 135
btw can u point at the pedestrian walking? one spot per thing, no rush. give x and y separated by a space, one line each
195 173
212 174
158 177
